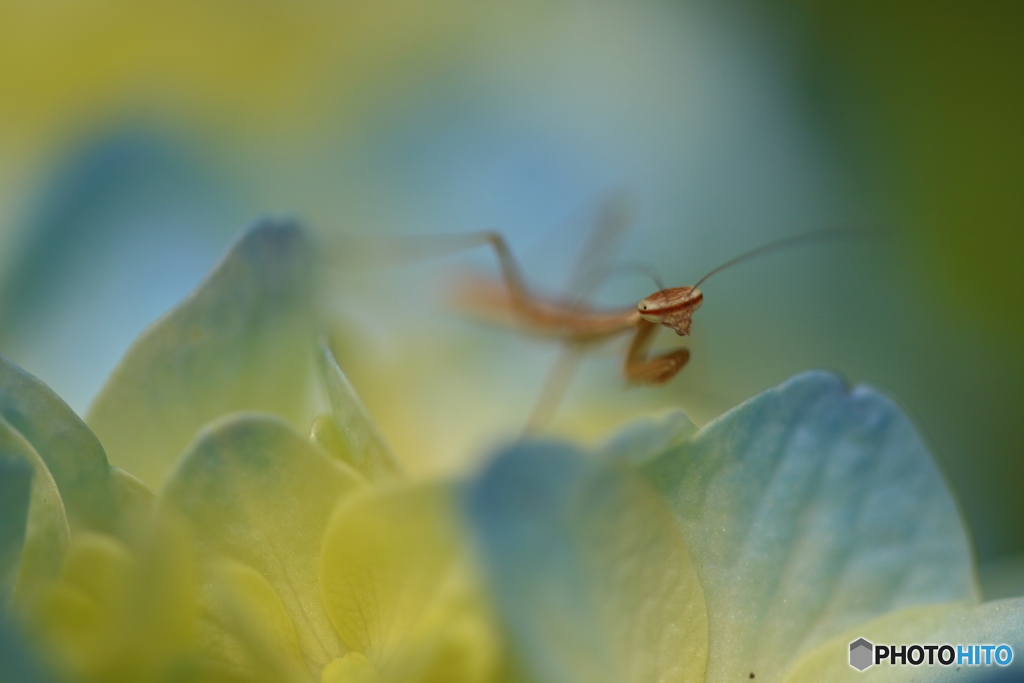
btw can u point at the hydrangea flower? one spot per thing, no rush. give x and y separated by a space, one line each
758 546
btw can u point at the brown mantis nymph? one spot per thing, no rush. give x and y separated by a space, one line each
576 325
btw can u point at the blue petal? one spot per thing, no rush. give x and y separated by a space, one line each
809 509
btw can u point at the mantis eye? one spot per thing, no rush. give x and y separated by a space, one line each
648 311
646 305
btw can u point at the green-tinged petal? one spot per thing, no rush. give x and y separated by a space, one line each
254 491
809 509
242 341
134 502
45 529
71 452
15 498
395 579
996 623
360 443
589 570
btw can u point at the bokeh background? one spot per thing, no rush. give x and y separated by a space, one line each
137 138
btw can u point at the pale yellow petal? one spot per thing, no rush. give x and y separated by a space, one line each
352 668
248 608
398 585
114 617
77 618
456 640
254 491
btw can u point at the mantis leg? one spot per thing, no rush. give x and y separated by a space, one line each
353 250
555 387
640 369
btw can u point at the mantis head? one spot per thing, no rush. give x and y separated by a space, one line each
672 308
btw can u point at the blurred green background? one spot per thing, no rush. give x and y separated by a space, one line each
137 138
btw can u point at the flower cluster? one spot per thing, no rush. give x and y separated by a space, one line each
759 546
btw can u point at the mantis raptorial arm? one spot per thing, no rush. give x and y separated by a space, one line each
642 370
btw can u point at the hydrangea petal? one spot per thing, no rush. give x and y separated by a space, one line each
115 616
247 608
15 497
16 662
454 641
254 491
808 509
352 668
71 452
649 437
396 582
134 502
384 557
361 444
241 342
590 572
998 622
44 531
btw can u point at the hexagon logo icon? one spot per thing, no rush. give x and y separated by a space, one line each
860 654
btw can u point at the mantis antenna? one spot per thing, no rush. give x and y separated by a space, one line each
789 242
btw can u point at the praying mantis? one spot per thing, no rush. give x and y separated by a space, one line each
510 302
